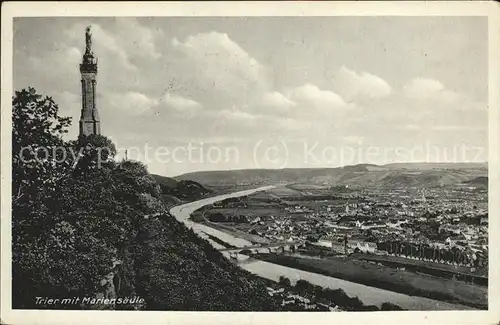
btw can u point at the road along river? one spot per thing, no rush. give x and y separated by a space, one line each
369 295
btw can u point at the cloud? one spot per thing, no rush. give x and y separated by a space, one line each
132 103
160 80
69 106
429 89
180 103
57 67
352 84
238 116
410 127
68 102
311 95
218 49
137 39
104 43
71 54
277 102
472 105
118 47
224 75
221 68
136 103
291 124
126 40
121 47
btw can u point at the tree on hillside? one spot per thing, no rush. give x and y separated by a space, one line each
74 218
284 281
37 169
37 145
304 286
70 215
93 151
55 248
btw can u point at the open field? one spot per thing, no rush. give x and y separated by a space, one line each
413 284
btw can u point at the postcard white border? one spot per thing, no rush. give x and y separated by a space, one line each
364 8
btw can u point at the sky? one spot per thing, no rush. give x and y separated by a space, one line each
185 94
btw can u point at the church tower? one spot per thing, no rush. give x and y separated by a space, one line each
89 119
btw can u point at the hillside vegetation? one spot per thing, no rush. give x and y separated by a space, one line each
175 192
75 220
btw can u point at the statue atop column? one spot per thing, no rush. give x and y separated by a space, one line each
88 40
89 118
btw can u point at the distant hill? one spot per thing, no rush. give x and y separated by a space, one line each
405 174
426 166
479 181
246 176
175 191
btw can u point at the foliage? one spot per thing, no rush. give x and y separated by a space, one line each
335 296
389 306
424 251
73 218
220 217
284 281
177 270
36 144
184 189
92 151
65 233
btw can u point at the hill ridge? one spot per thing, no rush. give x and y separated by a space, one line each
415 174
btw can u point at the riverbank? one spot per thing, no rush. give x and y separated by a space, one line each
367 294
409 283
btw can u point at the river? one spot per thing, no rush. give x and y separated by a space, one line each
369 295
